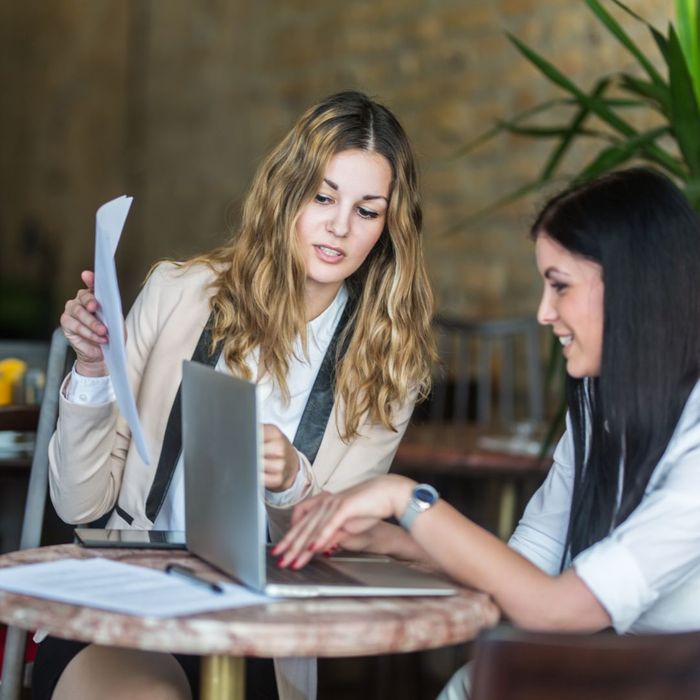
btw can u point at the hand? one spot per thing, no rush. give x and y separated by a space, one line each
280 459
326 520
84 331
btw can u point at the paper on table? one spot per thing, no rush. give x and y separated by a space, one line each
125 588
108 229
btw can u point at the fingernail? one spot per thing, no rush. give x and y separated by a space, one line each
312 547
274 550
328 552
280 561
296 564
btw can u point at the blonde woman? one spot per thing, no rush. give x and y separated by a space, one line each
321 297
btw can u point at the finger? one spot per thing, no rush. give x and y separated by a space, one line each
303 546
88 278
271 432
76 319
88 300
78 334
300 512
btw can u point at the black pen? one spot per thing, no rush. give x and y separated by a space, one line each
189 575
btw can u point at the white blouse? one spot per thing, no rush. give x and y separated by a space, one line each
285 415
646 572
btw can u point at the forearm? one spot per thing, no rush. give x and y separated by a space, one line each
528 596
394 541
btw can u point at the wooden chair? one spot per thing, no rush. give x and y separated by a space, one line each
59 360
511 664
491 376
480 360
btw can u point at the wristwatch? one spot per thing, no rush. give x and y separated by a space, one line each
423 497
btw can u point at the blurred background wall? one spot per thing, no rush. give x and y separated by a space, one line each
175 102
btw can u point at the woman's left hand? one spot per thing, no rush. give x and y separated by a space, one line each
325 520
280 459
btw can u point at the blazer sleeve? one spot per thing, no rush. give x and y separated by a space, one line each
340 465
88 450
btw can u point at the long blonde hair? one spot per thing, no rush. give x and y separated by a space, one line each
259 298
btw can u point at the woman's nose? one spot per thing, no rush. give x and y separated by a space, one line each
546 313
338 223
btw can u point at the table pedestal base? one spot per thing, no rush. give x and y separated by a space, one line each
223 678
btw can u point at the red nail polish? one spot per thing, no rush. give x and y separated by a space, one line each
312 547
296 565
279 562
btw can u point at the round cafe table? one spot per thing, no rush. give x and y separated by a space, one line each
330 627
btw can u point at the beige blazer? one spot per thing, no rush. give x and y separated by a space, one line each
92 464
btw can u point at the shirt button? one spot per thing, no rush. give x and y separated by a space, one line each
83 397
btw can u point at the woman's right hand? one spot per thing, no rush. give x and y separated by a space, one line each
84 331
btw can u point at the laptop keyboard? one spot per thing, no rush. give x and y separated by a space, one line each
315 572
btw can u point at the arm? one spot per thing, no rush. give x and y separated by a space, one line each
340 465
471 555
89 448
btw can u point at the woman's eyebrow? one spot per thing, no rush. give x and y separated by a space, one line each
554 271
335 187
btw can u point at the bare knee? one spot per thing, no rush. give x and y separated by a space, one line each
110 673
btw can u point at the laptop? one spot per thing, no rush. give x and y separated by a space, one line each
225 517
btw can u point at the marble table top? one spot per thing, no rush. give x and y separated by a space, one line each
301 627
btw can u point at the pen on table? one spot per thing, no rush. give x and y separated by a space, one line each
190 576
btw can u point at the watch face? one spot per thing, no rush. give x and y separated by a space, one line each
425 494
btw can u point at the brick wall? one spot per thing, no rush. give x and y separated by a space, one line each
176 102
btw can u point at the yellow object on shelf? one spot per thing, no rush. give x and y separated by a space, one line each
11 372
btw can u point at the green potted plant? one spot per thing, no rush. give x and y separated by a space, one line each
600 114
669 99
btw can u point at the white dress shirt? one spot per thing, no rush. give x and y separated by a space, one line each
285 415
646 572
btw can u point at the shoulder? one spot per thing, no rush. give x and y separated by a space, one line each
176 275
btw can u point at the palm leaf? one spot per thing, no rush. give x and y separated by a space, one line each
494 206
501 127
688 24
574 129
684 107
619 33
596 105
659 94
620 153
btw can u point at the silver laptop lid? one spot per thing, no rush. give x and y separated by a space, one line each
221 439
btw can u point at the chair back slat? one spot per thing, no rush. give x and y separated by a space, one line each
483 367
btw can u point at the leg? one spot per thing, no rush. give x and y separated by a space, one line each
111 673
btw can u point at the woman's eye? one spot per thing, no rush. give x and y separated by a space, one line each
559 287
367 213
322 198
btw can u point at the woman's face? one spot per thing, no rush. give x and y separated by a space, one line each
572 303
338 228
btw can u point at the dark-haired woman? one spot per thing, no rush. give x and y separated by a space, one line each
612 538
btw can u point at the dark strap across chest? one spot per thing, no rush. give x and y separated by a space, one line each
309 434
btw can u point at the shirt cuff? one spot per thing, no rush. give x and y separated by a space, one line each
615 579
295 493
89 391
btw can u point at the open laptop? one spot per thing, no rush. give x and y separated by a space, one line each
225 518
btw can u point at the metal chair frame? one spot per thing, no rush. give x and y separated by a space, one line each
59 359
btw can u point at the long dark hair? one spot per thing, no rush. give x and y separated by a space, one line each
641 230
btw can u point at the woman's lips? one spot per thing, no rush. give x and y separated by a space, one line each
328 254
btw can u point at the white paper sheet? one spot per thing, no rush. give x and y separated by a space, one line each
108 229
125 588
